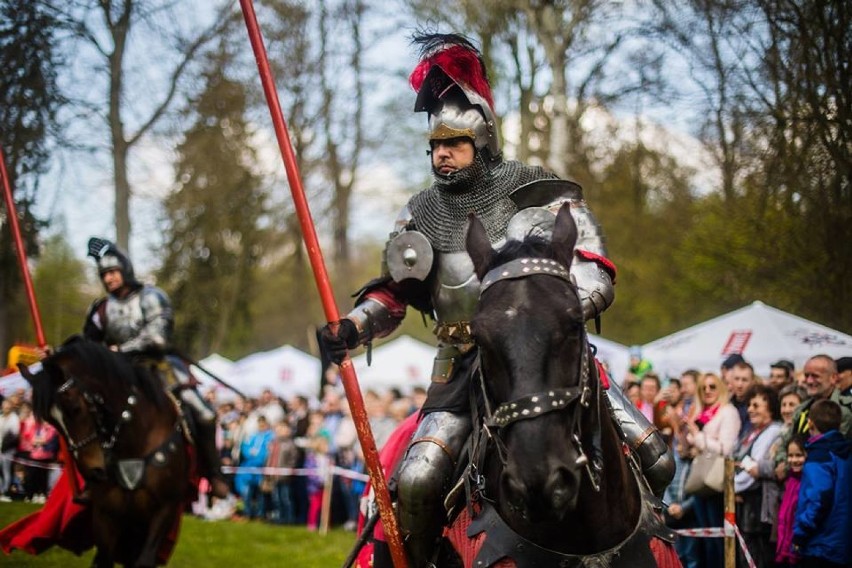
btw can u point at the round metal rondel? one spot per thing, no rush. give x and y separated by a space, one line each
131 400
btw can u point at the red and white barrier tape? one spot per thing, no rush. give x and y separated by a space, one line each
730 529
348 473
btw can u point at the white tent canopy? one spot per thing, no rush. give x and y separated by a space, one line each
762 334
402 363
286 371
614 355
219 366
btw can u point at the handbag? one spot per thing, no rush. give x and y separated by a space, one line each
707 475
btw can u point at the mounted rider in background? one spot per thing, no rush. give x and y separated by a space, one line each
137 319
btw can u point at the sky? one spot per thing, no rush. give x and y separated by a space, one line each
78 196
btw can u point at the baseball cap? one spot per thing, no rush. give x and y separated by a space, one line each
784 364
732 360
844 364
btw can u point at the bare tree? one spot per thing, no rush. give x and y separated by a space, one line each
107 26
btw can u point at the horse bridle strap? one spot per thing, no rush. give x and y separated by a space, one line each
521 267
535 405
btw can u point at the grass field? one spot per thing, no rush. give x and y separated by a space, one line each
211 545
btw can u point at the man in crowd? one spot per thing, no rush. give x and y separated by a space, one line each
821 380
137 319
844 376
780 374
741 380
436 275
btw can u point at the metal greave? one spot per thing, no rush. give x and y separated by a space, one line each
654 454
424 479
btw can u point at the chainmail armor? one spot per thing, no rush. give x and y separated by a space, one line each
440 212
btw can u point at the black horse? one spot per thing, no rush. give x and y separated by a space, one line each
537 498
127 439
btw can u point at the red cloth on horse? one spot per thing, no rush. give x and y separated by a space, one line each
60 522
64 523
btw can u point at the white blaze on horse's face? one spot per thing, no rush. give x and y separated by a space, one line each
511 313
57 415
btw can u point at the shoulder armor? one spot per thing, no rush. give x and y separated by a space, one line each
538 203
547 193
408 253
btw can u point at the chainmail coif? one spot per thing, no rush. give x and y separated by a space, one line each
440 212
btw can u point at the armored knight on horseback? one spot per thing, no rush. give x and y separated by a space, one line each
137 319
426 266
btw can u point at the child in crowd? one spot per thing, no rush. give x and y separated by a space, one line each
316 458
784 555
823 520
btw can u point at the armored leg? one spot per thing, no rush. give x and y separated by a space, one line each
424 479
654 454
208 454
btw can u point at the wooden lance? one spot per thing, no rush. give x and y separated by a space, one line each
347 371
12 214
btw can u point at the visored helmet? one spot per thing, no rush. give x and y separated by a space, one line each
452 86
109 257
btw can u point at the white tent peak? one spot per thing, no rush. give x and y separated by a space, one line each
761 333
402 363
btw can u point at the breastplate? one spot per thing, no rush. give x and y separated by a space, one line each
124 319
455 288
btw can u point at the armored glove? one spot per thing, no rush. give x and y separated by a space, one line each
336 345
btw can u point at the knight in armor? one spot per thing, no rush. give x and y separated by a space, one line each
137 319
426 266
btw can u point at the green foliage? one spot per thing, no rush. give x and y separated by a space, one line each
60 284
29 102
214 215
644 204
222 544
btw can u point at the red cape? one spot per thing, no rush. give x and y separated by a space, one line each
61 522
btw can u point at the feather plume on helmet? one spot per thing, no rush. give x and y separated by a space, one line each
452 86
108 256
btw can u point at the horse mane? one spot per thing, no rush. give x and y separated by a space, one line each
107 368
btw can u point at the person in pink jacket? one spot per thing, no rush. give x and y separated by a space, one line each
712 427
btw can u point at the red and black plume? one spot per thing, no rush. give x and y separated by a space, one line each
458 58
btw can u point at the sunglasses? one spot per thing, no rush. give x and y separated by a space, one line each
710 387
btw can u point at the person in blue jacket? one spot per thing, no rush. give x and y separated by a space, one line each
822 530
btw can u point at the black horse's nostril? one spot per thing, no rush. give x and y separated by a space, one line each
563 488
514 490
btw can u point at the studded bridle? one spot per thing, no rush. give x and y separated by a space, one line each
106 435
552 400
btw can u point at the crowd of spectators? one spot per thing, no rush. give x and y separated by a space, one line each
28 449
306 437
790 436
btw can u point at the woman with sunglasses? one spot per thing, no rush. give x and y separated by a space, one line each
712 427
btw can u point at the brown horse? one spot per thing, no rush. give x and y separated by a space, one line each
538 499
127 440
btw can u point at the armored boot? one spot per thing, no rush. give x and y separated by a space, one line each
654 454
424 480
205 442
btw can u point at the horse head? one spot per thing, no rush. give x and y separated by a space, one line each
82 391
534 357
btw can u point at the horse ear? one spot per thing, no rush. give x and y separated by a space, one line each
478 246
564 235
26 373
